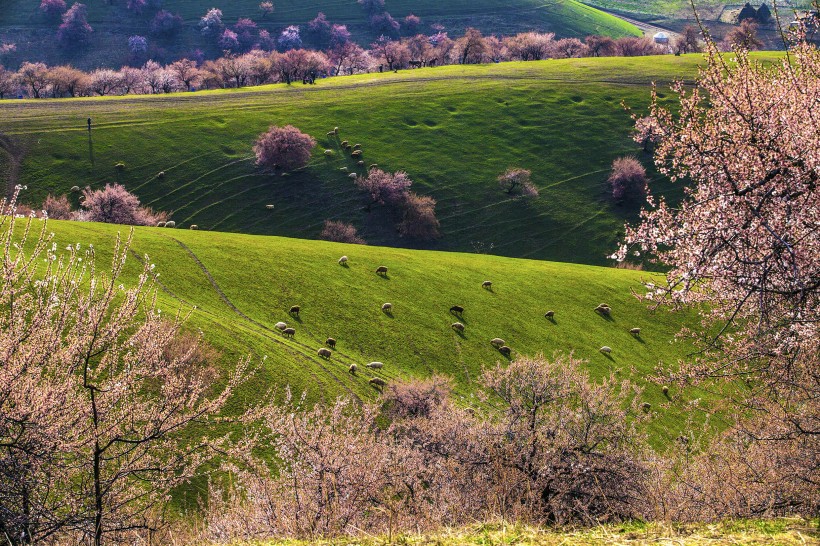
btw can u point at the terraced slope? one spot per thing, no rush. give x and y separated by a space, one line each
242 285
453 129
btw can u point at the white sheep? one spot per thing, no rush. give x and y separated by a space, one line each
280 326
549 314
324 353
375 365
606 349
194 226
387 307
381 270
497 342
457 326
170 224
487 284
343 260
269 207
504 350
378 382
635 331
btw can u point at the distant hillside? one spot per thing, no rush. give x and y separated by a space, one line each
242 285
453 129
22 24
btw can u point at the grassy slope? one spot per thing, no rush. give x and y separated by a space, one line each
453 129
569 17
21 23
782 532
263 276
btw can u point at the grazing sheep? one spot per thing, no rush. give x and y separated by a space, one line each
194 226
604 309
635 331
75 189
324 353
457 326
345 144
549 314
344 169
352 369
375 365
343 260
456 309
170 224
381 270
160 224
331 134
504 350
361 163
665 389
605 349
328 152
497 342
353 176
295 310
269 207
289 332
487 284
646 406
378 382
357 146
331 343
161 174
335 130
280 326
373 166
387 307
357 153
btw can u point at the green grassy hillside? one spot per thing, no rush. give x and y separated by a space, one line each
20 22
242 285
453 129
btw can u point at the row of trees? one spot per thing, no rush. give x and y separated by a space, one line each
37 80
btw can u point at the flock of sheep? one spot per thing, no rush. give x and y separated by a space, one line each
457 310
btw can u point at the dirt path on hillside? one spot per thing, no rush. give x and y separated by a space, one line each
647 28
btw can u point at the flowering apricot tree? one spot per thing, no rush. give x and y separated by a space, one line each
745 240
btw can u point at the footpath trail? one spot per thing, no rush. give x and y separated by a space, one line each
647 28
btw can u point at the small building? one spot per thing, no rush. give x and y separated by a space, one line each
661 38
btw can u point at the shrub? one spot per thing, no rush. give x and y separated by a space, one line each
628 178
385 188
266 8
290 38
383 23
52 8
57 208
411 24
372 6
286 147
517 180
339 232
165 24
211 23
75 27
229 40
246 32
419 220
318 30
115 205
137 45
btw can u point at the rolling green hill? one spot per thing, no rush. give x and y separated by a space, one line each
21 23
453 129
242 285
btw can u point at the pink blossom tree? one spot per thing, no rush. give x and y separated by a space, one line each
515 180
285 148
75 28
116 205
52 8
745 240
340 232
627 179
385 188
